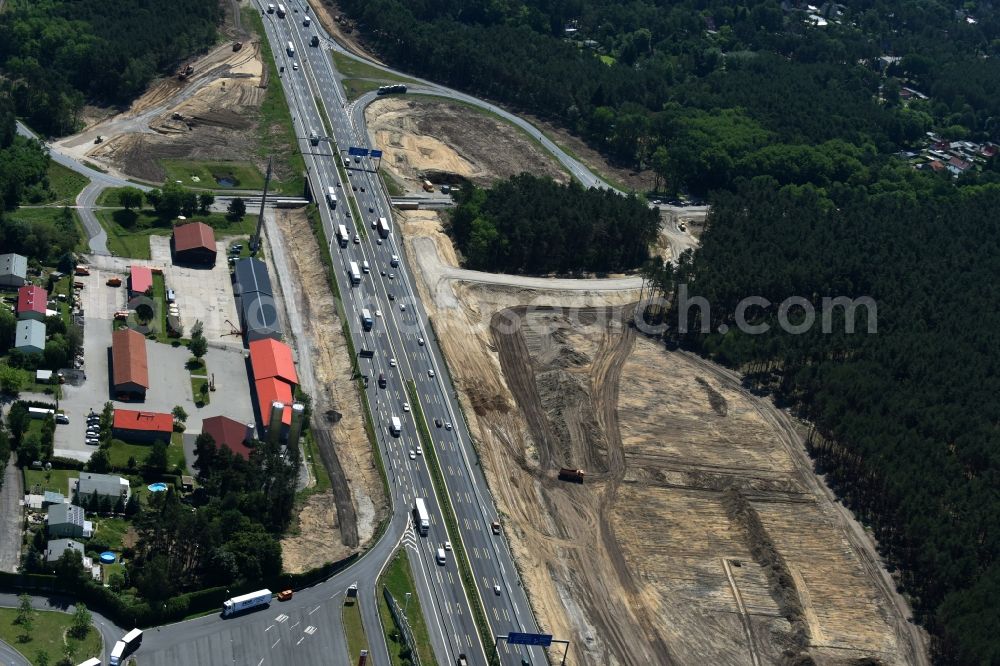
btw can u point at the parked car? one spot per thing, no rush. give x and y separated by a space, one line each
285 595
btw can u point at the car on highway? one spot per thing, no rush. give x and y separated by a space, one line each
406 406
392 363
413 454
420 341
357 241
496 590
295 66
392 276
371 210
447 425
391 296
495 526
354 187
378 241
362 188
383 273
402 307
378 313
447 545
430 373
437 422
420 450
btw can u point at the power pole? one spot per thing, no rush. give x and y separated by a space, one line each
255 240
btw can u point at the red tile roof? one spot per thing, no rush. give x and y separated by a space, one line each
141 278
130 419
31 299
270 358
228 433
128 358
194 235
270 390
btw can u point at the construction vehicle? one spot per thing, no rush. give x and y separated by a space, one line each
114 282
186 72
81 270
99 139
572 475
427 186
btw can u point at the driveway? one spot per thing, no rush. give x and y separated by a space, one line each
11 496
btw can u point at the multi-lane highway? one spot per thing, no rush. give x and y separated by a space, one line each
403 351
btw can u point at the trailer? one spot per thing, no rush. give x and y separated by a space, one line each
383 227
366 319
342 236
331 197
290 49
572 475
395 427
421 520
246 602
129 643
355 273
40 413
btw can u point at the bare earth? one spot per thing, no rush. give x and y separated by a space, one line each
645 563
332 392
422 138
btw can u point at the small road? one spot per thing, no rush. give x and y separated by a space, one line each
11 496
110 632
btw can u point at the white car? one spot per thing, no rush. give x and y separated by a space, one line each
392 363
392 276
420 450
378 313
447 545
357 241
447 425
402 307
430 373
413 455
420 341
295 66
406 406
496 590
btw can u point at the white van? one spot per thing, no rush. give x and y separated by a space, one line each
441 556
171 297
365 268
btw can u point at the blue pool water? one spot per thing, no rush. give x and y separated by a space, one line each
157 487
107 557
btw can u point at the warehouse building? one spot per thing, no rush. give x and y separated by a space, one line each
274 377
130 370
194 244
229 433
258 313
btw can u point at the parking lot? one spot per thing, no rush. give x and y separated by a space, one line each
204 294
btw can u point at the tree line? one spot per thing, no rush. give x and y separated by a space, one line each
534 225
57 56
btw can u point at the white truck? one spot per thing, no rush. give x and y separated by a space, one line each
307 21
342 237
246 602
421 520
290 48
383 227
126 646
281 11
270 8
355 274
40 412
395 427
331 197
366 319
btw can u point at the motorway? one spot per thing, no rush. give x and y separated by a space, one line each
400 328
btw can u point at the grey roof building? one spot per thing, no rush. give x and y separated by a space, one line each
65 520
57 547
51 497
13 270
106 485
30 336
258 314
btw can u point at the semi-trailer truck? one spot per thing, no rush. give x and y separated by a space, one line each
126 646
342 236
395 427
246 602
366 319
290 49
331 197
383 227
421 520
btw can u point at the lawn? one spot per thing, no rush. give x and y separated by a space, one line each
398 578
65 183
353 629
38 480
120 452
276 134
200 396
205 175
352 68
47 635
129 231
111 531
355 88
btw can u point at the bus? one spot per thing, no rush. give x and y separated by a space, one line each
342 236
420 518
126 646
291 50
281 10
355 273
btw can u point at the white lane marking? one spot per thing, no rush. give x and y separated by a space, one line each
314 610
275 643
269 628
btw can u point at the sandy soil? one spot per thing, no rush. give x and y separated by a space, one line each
436 139
337 413
664 438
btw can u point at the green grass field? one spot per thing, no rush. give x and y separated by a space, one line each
352 68
199 174
129 231
120 452
49 634
277 134
111 531
399 579
56 480
65 183
353 629
355 88
48 215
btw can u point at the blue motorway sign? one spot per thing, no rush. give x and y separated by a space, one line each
360 152
516 638
376 153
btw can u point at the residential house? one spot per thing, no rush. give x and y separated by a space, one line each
13 270
67 520
31 302
58 547
29 336
105 485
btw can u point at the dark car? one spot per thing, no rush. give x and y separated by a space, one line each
392 296
437 422
354 187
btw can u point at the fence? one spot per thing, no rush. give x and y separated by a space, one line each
402 624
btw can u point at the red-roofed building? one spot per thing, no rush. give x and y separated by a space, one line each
140 280
229 433
31 302
270 358
194 243
130 425
273 390
130 369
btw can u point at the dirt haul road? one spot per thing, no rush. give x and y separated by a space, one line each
698 537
